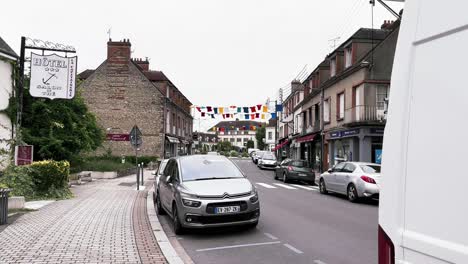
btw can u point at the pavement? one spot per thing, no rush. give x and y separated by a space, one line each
106 222
297 225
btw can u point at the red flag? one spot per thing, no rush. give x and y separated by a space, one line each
252 109
259 107
198 108
257 115
203 114
209 108
252 116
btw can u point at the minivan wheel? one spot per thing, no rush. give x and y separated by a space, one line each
322 187
285 178
159 208
352 193
178 229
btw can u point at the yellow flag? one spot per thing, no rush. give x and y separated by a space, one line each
263 116
221 110
265 109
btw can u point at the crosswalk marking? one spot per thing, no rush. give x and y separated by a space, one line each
284 186
304 187
266 185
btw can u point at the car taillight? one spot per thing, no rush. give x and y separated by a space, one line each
386 248
290 168
367 179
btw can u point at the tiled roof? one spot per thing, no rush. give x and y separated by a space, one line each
156 76
4 48
238 124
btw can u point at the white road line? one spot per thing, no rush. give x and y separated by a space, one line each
293 248
319 262
266 185
270 236
285 186
303 187
238 246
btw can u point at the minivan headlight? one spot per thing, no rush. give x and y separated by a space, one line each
191 203
254 198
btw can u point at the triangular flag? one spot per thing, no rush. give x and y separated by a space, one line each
239 109
263 116
273 115
279 108
252 109
209 108
203 114
252 116
257 115
259 107
265 108
198 108
246 116
215 110
212 116
221 110
246 109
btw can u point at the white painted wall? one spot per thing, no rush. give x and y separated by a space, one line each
6 90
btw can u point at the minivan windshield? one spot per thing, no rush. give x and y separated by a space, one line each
268 156
370 168
162 166
195 168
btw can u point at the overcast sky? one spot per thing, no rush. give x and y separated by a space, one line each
217 52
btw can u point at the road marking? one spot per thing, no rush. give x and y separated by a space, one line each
239 246
285 186
266 185
319 262
304 187
293 249
270 236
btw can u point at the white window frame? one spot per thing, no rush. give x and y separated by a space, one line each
326 110
341 106
333 67
348 57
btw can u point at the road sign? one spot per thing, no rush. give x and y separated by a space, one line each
136 137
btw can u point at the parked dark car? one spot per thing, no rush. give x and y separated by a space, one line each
299 170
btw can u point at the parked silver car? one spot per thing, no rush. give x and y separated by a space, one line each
158 174
206 191
355 179
267 160
256 155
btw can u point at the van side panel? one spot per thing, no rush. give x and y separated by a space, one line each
436 218
424 186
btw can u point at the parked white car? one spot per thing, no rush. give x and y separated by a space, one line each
355 179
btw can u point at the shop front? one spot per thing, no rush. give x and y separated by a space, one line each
171 147
358 144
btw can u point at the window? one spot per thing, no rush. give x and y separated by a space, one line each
370 168
238 139
270 135
225 139
382 94
339 167
349 167
203 167
326 110
168 122
333 67
348 57
341 105
231 139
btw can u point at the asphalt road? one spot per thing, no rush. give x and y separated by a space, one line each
297 225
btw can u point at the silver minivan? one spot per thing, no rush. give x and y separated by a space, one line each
206 191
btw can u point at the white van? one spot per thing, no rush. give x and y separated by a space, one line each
423 214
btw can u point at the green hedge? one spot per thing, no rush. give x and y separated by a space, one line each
108 163
41 180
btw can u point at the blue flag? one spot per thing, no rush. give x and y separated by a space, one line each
279 108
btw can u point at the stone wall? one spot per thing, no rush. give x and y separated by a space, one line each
121 96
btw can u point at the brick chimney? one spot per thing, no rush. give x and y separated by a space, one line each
142 63
118 51
296 85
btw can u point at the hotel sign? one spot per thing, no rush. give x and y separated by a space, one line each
53 76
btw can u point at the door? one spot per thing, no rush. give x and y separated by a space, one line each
345 177
331 179
164 188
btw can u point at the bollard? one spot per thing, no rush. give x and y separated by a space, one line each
142 174
138 177
4 206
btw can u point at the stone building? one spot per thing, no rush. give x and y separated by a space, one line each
237 132
123 92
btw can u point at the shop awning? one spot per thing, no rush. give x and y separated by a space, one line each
173 139
280 145
307 138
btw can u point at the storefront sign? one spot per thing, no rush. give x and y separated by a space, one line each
339 134
23 155
118 137
53 76
376 130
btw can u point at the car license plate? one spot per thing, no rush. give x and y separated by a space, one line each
302 174
227 209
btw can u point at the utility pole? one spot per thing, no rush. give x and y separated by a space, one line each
322 133
276 128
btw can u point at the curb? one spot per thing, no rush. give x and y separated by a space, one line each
163 241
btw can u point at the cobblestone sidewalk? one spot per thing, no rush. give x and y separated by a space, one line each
100 225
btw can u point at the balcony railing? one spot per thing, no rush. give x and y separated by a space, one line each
364 114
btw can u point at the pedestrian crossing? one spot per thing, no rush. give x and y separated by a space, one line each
286 186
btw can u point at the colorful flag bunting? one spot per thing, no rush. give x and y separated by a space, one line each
246 109
209 108
252 116
265 108
279 108
203 114
247 116
215 110
212 116
259 107
273 115
263 116
198 108
252 109
221 110
257 115
239 109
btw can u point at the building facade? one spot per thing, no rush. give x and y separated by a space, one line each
122 92
342 115
237 132
8 59
270 134
204 142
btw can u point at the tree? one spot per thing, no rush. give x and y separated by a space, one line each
224 146
59 129
260 136
250 144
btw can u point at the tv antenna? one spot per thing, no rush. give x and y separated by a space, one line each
109 32
334 40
